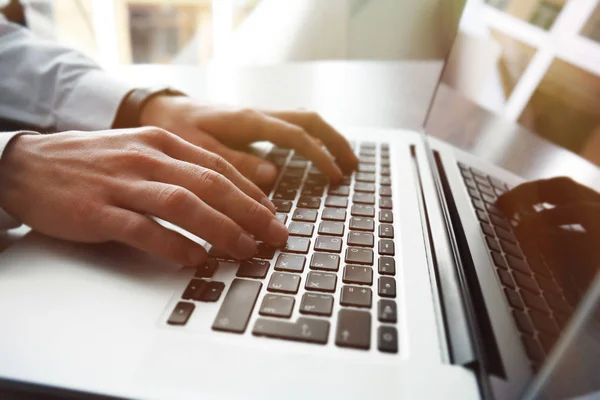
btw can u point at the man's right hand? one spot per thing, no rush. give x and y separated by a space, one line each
103 186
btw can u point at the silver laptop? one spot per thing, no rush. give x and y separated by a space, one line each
404 282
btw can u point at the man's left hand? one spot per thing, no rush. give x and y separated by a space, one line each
222 130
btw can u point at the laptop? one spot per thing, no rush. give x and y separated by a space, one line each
403 282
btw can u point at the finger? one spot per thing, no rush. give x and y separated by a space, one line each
143 233
184 151
320 129
259 171
184 209
557 191
586 214
221 194
289 135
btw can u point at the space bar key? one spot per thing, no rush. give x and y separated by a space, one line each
303 330
237 306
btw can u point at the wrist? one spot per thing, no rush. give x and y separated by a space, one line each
133 105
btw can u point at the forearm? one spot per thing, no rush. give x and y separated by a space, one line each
46 85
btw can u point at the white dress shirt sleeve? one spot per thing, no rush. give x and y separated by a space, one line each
47 85
44 84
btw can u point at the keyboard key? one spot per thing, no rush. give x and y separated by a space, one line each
514 299
362 224
498 260
207 269
385 203
237 306
474 194
316 190
518 264
328 244
497 183
265 251
282 217
386 231
481 216
487 190
321 282
194 290
181 313
505 235
363 198
296 245
543 322
386 247
367 159
340 190
316 304
368 145
293 173
284 283
386 216
309 202
365 177
511 249
358 275
253 269
212 291
283 206
387 311
274 305
305 215
356 296
478 204
363 239
303 330
385 171
304 229
356 255
364 187
336 202
331 228
523 323
297 164
285 194
525 282
221 255
493 244
385 191
387 339
289 183
353 329
387 286
500 222
532 348
548 285
386 181
361 210
505 278
387 266
325 262
534 301
366 168
334 214
487 229
290 263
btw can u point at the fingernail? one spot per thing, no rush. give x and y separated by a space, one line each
245 246
277 233
266 173
196 255
267 203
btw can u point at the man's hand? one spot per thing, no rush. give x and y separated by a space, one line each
542 209
103 186
221 129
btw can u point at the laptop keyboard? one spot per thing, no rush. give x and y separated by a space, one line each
337 268
541 300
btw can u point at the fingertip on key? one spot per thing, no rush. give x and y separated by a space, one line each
245 246
277 233
269 204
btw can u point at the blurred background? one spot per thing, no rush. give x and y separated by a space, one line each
535 62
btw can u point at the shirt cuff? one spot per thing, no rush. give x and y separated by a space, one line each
93 104
6 221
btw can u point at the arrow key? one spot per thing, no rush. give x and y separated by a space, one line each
303 330
353 329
